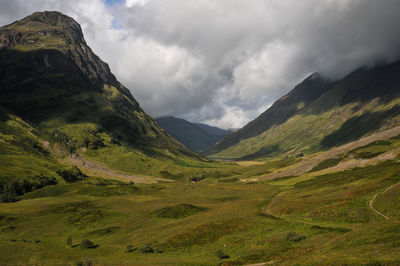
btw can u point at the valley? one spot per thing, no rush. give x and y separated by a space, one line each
324 216
87 177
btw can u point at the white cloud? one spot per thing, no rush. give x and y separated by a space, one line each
130 3
225 61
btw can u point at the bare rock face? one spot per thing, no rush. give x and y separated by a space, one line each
54 30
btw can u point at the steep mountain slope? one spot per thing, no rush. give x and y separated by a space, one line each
286 107
319 114
58 98
50 76
197 137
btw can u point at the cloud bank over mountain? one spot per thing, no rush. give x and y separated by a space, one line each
224 62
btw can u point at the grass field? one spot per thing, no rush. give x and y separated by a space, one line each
208 213
322 219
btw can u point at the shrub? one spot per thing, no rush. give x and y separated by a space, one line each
97 144
294 237
130 249
86 243
85 262
146 249
221 255
72 174
69 241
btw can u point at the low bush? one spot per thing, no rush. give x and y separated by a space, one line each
221 255
294 237
130 249
146 249
72 174
86 243
84 262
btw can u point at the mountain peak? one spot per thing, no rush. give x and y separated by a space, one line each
52 18
52 30
47 23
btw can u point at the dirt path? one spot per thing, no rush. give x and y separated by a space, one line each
267 210
96 169
261 263
371 206
371 202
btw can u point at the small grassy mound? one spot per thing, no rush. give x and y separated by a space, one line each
371 150
331 229
326 164
104 231
80 213
11 188
227 198
107 190
178 211
294 237
204 234
368 154
229 180
51 191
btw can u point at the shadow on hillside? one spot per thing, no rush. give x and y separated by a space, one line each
358 126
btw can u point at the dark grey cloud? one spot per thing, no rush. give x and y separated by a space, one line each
226 61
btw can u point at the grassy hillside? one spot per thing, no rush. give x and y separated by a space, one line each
364 102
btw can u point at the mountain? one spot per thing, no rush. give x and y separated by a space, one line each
50 77
196 136
214 131
59 102
319 114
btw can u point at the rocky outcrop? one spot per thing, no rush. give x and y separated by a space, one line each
54 30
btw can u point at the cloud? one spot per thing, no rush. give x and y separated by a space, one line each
226 61
130 3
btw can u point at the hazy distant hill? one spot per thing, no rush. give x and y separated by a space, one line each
196 136
319 113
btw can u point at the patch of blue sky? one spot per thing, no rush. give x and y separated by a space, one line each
113 2
116 24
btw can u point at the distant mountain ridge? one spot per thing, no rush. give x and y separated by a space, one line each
196 136
320 113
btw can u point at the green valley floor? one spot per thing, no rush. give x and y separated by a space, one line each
237 213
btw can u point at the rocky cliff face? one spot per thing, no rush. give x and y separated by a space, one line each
53 30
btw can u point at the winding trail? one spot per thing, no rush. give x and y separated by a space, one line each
371 206
371 202
95 168
268 211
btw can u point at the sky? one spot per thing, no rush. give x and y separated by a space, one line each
224 62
